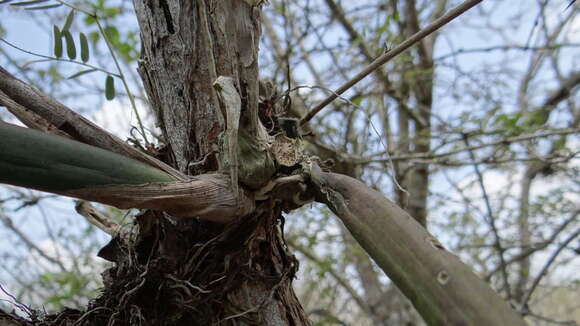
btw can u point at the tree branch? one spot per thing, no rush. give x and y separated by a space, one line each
433 279
70 122
386 57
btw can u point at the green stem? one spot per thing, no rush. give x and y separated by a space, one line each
49 58
120 71
32 159
123 79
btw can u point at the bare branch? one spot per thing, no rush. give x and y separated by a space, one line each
490 219
504 141
386 57
361 302
547 265
31 245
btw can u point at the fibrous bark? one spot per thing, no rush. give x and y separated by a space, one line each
187 45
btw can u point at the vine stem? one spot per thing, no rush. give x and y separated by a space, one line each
120 74
49 58
123 79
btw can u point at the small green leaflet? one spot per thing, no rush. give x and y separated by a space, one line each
27 3
71 50
69 20
110 88
80 73
30 4
57 42
84 47
44 7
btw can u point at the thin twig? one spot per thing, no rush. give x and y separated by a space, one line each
549 263
29 243
120 74
545 244
553 321
49 58
123 79
430 155
386 57
343 282
490 219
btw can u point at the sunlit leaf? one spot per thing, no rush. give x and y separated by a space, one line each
69 20
71 49
112 34
57 42
110 88
84 47
89 20
82 72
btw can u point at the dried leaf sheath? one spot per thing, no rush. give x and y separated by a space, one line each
209 197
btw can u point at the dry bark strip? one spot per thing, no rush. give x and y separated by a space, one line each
208 197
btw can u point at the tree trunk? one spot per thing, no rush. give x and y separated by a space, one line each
189 272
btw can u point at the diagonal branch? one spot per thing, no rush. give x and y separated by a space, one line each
70 122
386 57
380 74
343 282
29 243
431 277
29 118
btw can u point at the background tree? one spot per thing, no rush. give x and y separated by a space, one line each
394 118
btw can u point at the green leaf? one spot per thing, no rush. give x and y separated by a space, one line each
560 143
110 88
57 42
27 3
44 7
89 20
111 12
71 50
33 159
82 72
69 20
2 2
112 34
84 47
357 100
94 37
